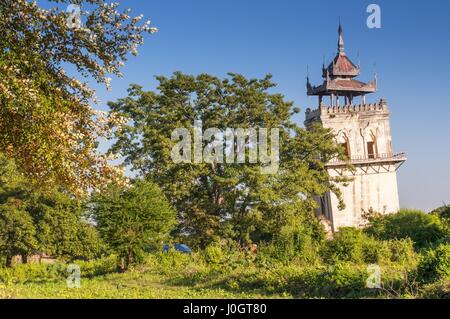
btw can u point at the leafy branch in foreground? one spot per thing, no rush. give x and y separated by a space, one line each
46 122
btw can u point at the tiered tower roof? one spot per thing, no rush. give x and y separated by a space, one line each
339 77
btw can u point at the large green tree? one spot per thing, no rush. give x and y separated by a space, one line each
215 199
48 222
17 232
62 229
130 220
46 122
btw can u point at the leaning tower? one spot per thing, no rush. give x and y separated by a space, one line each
363 131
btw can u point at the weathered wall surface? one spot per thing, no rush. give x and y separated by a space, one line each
377 191
374 185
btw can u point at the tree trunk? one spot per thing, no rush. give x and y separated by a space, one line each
24 259
129 257
121 267
9 261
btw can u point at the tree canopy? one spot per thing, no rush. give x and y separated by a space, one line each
225 199
132 220
33 221
46 122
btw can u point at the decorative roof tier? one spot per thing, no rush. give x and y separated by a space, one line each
342 87
341 66
338 77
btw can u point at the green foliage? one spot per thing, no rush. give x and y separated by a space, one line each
97 267
130 220
435 264
24 273
402 252
347 246
438 290
300 239
442 212
17 232
49 222
46 122
423 229
352 245
344 279
213 254
173 263
61 229
237 275
225 200
89 244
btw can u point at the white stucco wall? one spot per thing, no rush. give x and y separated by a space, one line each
377 191
374 184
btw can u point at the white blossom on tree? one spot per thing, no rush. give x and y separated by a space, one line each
47 124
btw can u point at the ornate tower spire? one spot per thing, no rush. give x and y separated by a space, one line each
341 41
339 79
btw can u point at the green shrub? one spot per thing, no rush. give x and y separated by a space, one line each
443 213
438 290
424 229
301 238
172 263
213 254
24 273
353 245
435 264
344 280
98 267
402 251
375 251
346 246
129 220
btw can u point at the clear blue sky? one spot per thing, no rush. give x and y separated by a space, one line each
411 54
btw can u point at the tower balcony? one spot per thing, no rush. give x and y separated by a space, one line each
378 159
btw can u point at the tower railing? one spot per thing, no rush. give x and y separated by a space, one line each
369 158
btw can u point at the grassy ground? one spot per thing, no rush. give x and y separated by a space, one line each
129 285
176 276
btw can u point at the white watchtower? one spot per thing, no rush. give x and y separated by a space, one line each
363 131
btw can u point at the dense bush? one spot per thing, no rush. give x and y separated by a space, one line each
300 239
213 254
98 267
347 245
344 280
438 290
423 229
132 219
353 245
435 264
25 273
173 263
442 212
